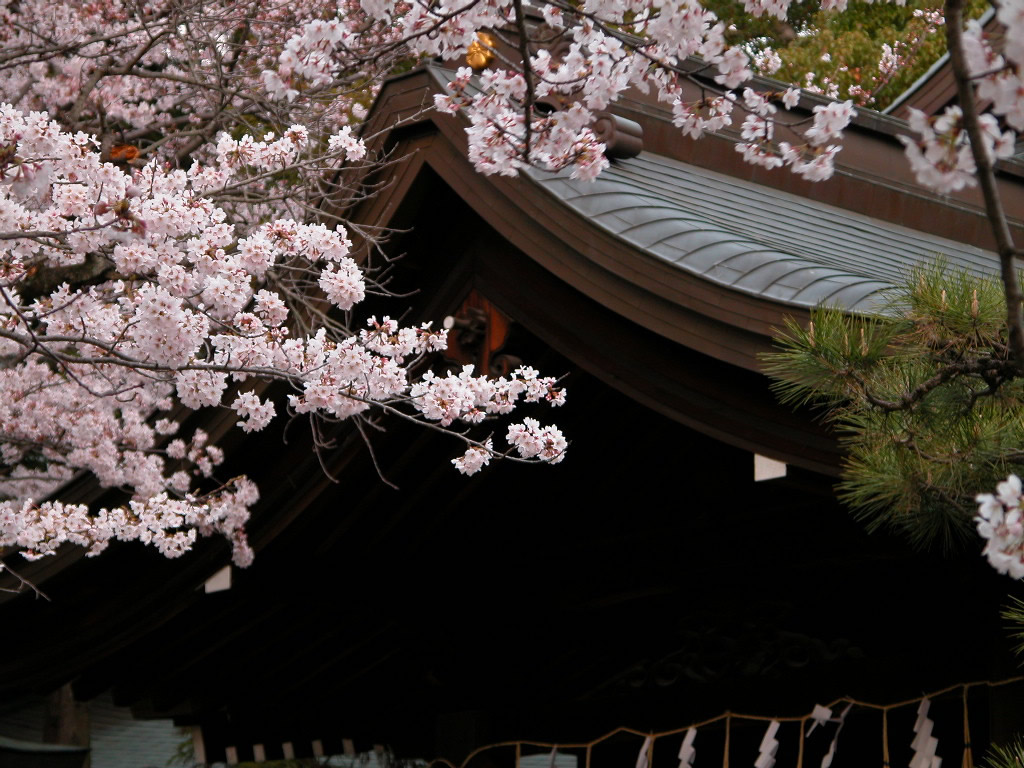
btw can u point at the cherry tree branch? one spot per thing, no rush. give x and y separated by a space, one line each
985 174
23 583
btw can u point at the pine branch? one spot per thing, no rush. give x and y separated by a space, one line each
926 399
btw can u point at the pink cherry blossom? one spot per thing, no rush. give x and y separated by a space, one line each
194 176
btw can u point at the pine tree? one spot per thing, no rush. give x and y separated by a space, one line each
924 395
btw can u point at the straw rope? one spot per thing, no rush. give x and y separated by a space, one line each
725 752
727 717
968 757
885 739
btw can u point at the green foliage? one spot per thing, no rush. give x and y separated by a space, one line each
184 753
1014 613
843 49
766 30
854 42
1010 756
924 396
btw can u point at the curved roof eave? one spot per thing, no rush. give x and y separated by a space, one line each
710 261
764 242
753 239
663 335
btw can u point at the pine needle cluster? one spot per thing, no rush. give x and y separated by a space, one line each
925 396
1009 756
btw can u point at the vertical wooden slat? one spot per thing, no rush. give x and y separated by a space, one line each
231 754
318 748
288 750
348 747
198 745
66 720
259 754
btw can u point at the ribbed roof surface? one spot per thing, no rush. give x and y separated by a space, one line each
120 741
116 739
753 238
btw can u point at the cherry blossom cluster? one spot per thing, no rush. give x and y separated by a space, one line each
500 140
460 397
183 308
593 65
1001 80
706 116
476 458
169 524
1000 522
890 61
767 61
529 439
941 156
470 398
900 52
317 51
170 243
572 85
533 440
813 159
167 67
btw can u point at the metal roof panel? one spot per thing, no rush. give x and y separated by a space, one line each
752 238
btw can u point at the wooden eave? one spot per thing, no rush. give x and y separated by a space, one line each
726 325
698 361
873 180
872 174
690 314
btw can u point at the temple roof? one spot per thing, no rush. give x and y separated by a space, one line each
751 238
843 242
647 579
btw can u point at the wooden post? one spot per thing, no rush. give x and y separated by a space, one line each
67 720
198 745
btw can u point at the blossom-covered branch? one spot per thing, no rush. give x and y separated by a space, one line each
189 307
172 185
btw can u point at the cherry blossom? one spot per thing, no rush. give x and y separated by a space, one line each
166 175
475 458
942 158
192 310
1000 522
